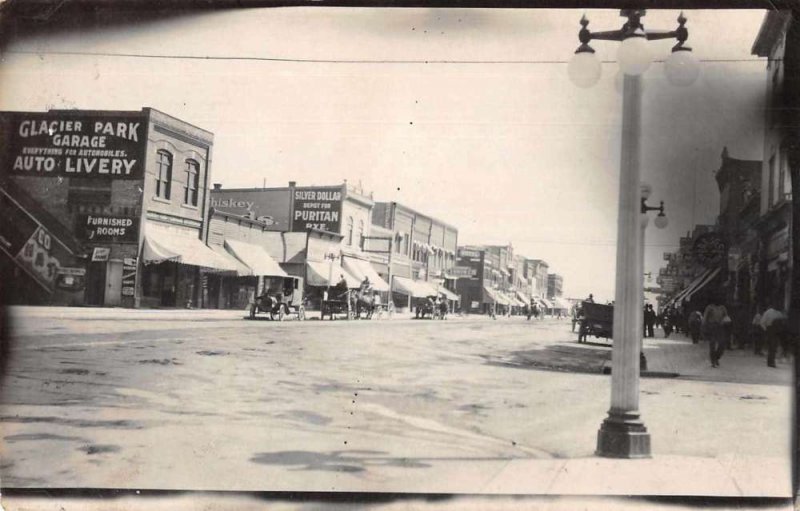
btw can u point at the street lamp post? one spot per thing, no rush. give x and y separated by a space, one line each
331 256
622 434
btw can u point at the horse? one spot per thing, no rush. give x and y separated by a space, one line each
362 301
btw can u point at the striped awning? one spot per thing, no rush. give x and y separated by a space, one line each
449 294
694 286
162 243
256 258
323 274
412 288
363 269
495 296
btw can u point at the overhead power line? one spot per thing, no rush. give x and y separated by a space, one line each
321 61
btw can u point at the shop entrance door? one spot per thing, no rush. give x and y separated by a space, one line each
96 284
113 290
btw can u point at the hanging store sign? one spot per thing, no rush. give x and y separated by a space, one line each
778 243
709 249
473 254
462 272
101 254
734 258
107 228
317 208
68 144
128 276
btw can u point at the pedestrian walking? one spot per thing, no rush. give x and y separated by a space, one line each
757 333
649 320
667 325
773 323
695 324
715 319
575 313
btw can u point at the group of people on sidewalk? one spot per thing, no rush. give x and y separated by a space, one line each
768 327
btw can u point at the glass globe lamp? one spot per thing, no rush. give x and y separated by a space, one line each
584 69
646 190
634 54
681 67
661 221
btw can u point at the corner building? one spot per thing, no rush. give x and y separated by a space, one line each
104 208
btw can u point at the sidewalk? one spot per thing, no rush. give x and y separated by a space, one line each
675 357
691 361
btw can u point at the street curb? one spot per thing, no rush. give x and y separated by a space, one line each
648 374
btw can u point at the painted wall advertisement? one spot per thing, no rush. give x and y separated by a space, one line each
271 207
107 228
317 208
81 145
43 257
35 250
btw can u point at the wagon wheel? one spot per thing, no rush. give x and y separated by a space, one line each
301 313
277 313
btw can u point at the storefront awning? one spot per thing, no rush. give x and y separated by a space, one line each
547 303
693 286
509 298
165 244
522 298
256 258
449 294
318 273
360 269
703 283
412 288
242 270
495 296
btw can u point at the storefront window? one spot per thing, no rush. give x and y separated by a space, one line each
163 174
192 177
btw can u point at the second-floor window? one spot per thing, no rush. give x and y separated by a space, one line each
192 180
772 184
360 232
785 178
163 174
350 231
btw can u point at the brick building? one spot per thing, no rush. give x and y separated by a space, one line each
106 208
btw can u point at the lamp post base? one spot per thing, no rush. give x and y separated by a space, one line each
623 435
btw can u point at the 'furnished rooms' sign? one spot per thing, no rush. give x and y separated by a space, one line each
317 208
80 145
108 228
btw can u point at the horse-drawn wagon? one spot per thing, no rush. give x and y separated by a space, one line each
354 303
432 308
596 319
336 304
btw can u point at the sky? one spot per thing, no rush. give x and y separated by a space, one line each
463 114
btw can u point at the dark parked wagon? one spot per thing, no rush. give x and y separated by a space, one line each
596 319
